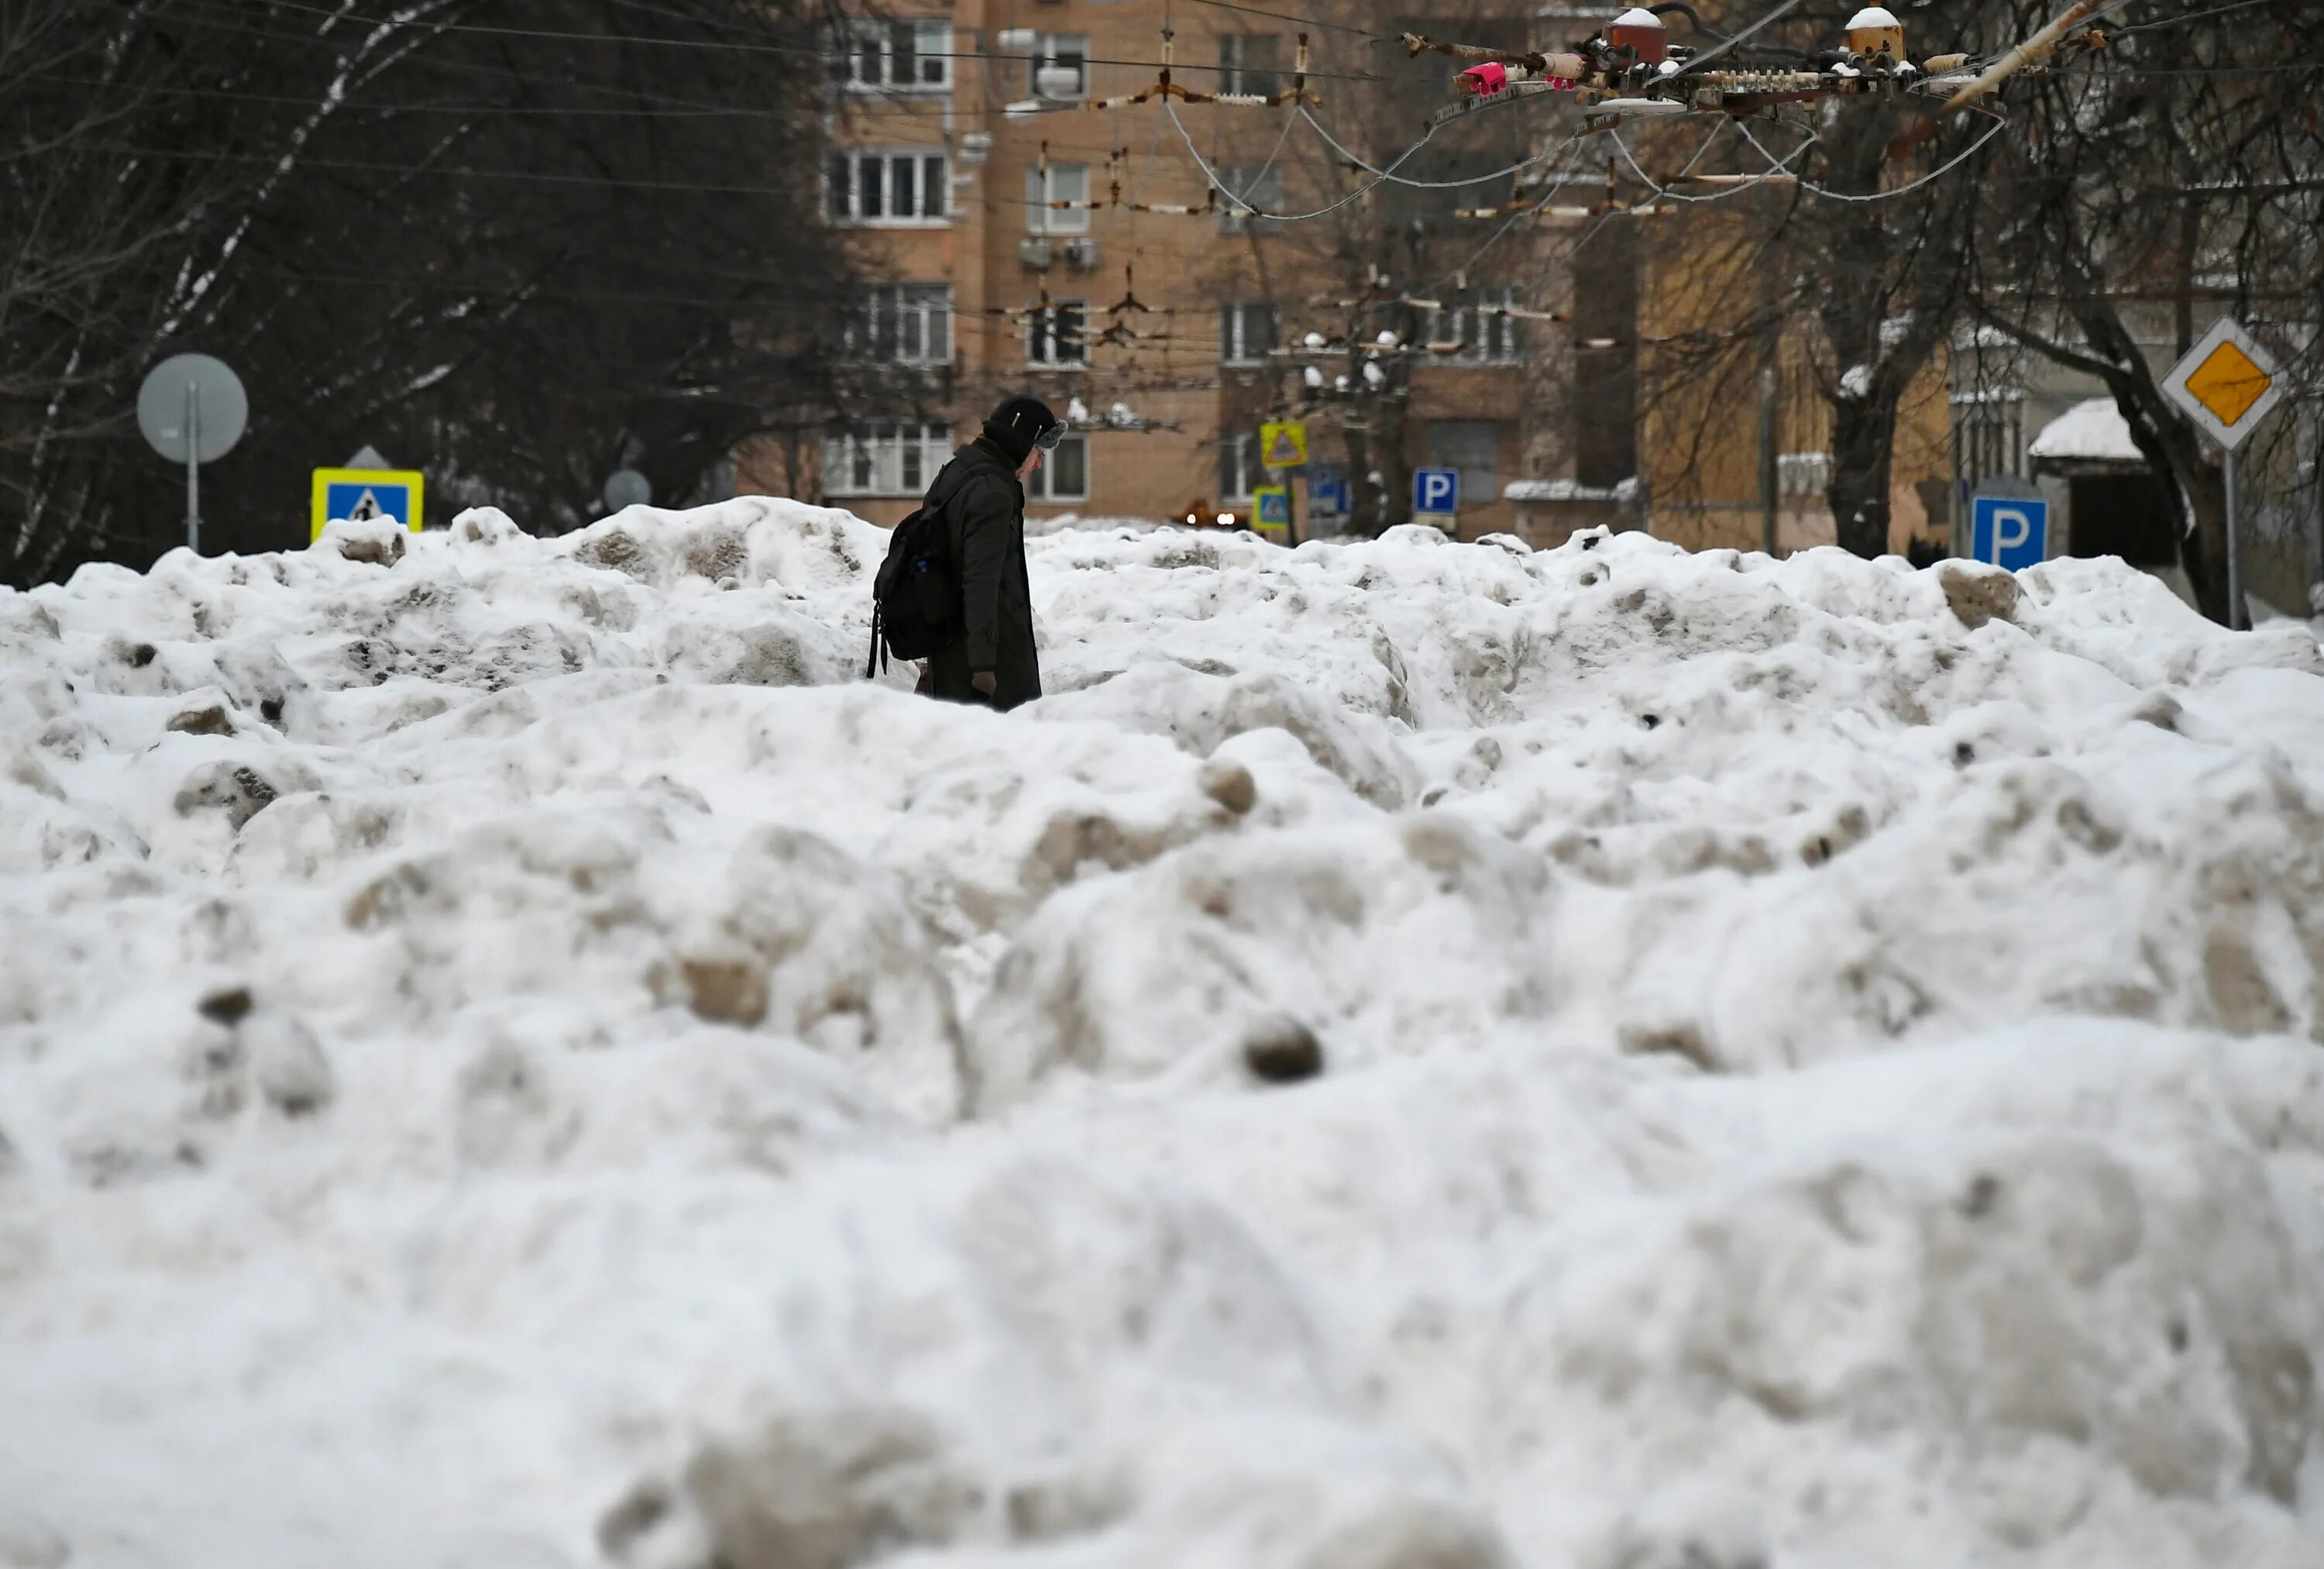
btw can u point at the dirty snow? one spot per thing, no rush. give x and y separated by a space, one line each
1414 1056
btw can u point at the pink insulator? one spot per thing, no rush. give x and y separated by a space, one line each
1482 81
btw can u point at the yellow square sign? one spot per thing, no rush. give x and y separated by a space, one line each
2228 386
1283 444
396 495
2228 383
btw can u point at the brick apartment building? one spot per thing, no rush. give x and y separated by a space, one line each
1024 241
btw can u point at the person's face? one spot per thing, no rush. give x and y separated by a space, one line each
1032 461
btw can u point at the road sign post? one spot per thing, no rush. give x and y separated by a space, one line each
2228 386
192 409
193 469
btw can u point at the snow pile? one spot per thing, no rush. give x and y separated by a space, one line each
2094 431
1414 1054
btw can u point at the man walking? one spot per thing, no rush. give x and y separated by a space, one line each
989 658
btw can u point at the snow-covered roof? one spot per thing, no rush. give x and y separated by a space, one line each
1638 16
2093 431
1566 490
1875 16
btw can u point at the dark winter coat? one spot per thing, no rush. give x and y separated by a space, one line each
984 524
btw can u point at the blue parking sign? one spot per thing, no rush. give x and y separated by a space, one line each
1327 489
1436 492
2013 532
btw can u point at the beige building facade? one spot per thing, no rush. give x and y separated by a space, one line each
1487 319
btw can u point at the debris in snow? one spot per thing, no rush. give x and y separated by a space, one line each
1978 593
1281 1050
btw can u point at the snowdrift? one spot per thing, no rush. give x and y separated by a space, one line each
1413 1056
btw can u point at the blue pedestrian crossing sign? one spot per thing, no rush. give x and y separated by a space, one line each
2012 532
1271 509
358 493
1435 492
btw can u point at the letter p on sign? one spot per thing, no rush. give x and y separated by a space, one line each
2010 531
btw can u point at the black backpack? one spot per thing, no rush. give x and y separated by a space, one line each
916 597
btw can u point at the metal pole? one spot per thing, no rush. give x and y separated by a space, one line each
2234 554
1770 468
193 469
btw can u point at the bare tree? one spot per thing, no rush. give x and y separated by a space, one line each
2179 173
514 244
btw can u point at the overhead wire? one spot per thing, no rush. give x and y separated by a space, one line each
1301 20
2181 20
1928 178
1211 175
434 171
731 46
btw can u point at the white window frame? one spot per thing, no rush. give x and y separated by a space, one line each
1066 182
931 178
1259 184
1040 342
1235 72
1490 335
1239 455
1235 334
884 458
901 324
1039 484
1053 49
865 59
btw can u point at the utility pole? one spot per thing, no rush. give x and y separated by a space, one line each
1770 466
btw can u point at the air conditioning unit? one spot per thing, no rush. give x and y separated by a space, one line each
1033 250
1081 256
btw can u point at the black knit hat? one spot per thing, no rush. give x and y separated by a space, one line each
1016 424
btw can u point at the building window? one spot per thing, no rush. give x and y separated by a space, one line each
1064 182
901 324
1061 67
1487 334
1260 186
879 457
1250 64
1239 468
880 185
1988 435
1246 333
894 56
1056 335
1063 475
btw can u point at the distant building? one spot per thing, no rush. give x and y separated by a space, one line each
1012 236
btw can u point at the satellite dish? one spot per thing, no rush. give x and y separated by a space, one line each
626 487
196 388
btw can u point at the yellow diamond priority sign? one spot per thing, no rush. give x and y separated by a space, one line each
2228 384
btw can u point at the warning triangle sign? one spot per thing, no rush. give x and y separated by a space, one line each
366 508
1284 446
